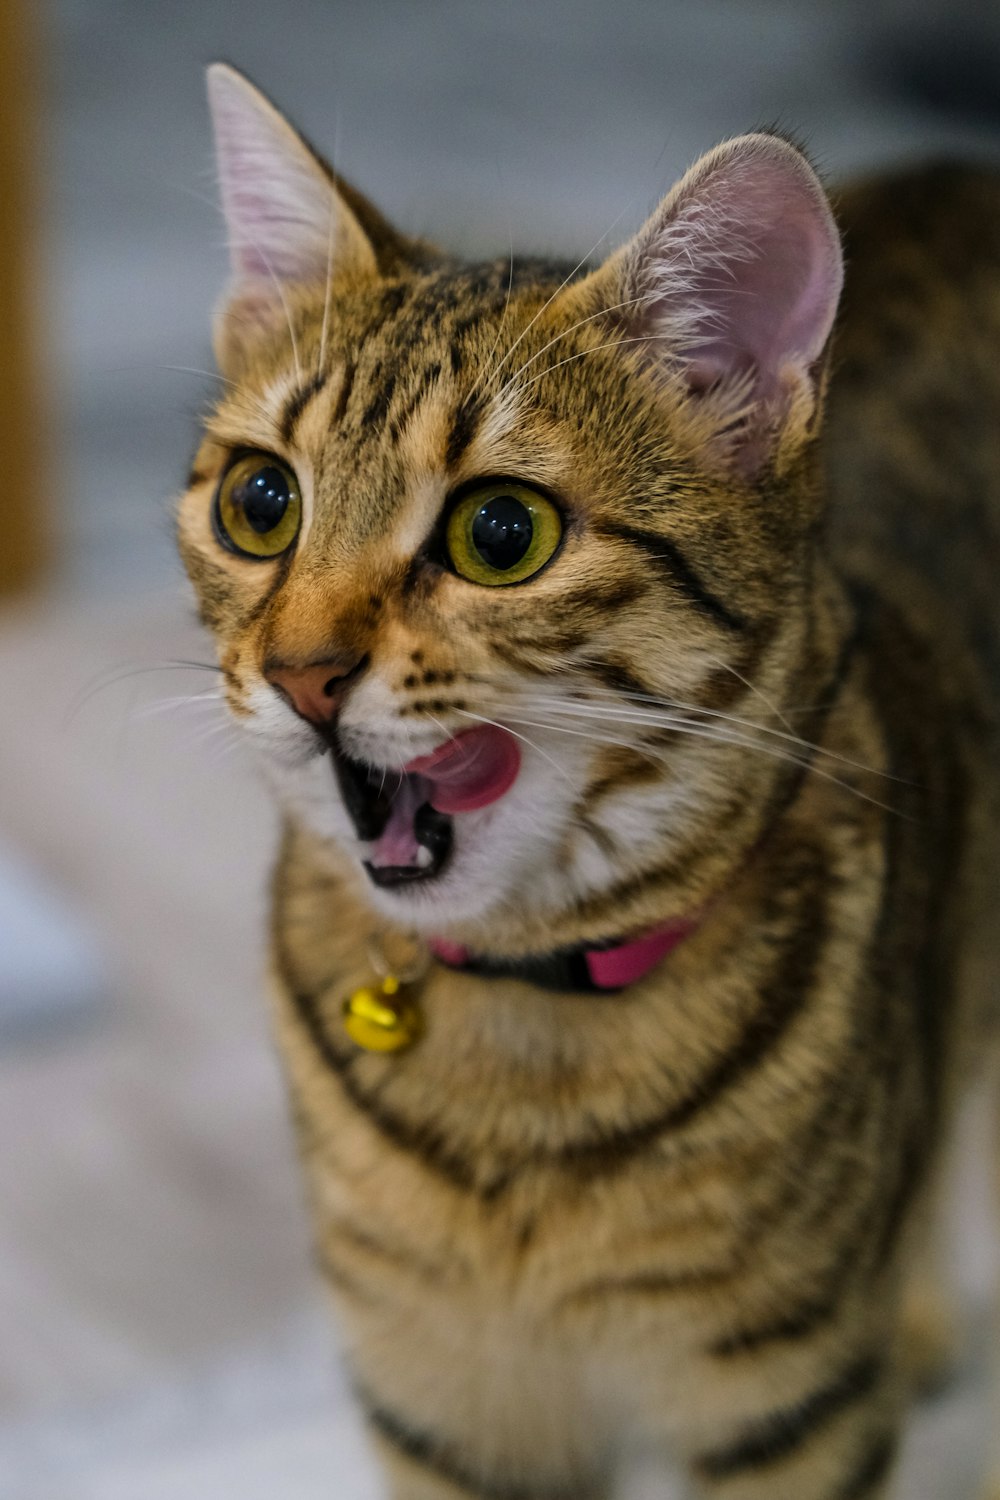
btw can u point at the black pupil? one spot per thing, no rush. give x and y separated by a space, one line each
263 499
502 531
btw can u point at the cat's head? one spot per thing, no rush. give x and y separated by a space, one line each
507 564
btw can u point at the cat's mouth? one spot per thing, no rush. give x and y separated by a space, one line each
406 817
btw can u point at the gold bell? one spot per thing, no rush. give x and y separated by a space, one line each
383 1019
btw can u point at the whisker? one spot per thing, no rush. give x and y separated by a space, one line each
209 699
503 318
721 737
253 400
284 303
767 702
580 323
619 343
562 285
195 370
255 244
640 717
108 676
619 698
329 278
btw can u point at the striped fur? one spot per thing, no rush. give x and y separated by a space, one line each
689 1214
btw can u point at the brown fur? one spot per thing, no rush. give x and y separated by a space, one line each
683 1214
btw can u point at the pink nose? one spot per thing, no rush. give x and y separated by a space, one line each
316 691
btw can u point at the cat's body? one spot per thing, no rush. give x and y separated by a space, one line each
685 1215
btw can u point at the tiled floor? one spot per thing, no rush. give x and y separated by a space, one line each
162 1336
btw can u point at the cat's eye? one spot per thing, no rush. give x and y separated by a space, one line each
502 533
258 509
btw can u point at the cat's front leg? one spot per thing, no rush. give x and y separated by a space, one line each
417 1467
833 1436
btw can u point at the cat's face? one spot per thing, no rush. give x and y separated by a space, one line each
490 558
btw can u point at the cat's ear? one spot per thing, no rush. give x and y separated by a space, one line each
287 220
732 288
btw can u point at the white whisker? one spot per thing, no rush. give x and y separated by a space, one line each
580 323
329 278
720 736
562 285
284 305
485 372
648 717
768 703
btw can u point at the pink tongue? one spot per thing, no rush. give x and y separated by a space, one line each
470 771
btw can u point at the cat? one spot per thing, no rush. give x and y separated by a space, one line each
622 648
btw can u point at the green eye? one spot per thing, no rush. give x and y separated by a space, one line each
258 509
502 533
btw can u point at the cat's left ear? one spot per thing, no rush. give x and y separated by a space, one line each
287 220
731 289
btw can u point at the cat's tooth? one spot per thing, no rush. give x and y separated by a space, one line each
424 857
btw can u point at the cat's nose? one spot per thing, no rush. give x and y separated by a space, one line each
316 691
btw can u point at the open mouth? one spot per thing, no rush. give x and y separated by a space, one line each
406 817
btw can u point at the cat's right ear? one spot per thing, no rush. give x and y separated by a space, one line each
286 219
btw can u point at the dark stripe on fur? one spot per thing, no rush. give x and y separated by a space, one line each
616 676
647 1283
783 1433
782 1000
679 571
341 1234
344 394
418 1140
806 1318
871 1470
377 409
464 426
806 1314
441 1458
827 696
428 379
342 1280
263 604
638 770
296 404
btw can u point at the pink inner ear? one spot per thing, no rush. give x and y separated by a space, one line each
746 269
277 203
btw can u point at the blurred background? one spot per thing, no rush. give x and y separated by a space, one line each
161 1333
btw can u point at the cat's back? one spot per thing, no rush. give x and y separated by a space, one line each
913 435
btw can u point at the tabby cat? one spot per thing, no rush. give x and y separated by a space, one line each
634 921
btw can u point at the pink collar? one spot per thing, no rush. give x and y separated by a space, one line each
596 968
